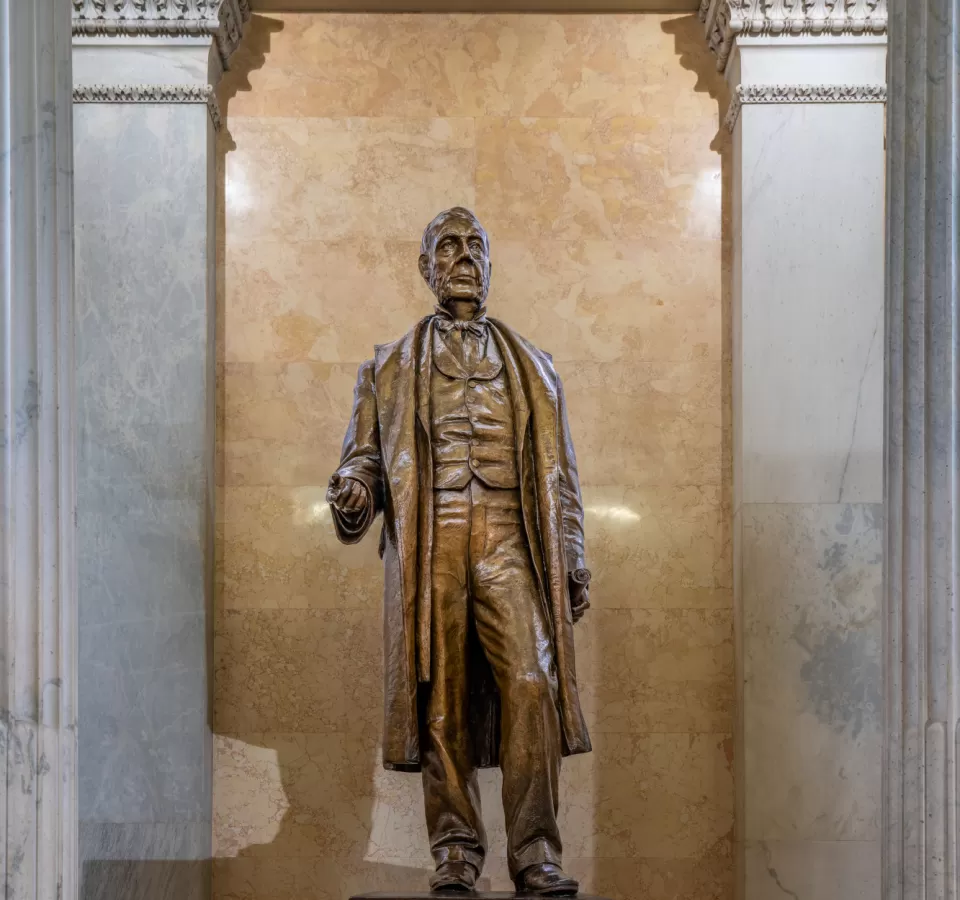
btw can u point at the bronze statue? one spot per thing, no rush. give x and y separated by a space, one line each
459 437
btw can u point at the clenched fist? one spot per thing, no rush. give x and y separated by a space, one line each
347 495
579 584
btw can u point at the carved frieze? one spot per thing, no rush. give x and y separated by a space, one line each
802 93
221 20
725 20
150 93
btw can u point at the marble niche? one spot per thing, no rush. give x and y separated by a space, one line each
591 148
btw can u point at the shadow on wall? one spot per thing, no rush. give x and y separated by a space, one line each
695 56
249 57
271 846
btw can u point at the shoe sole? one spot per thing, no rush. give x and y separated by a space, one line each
558 891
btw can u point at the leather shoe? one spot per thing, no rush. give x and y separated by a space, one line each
454 875
547 880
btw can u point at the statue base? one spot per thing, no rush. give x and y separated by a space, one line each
462 895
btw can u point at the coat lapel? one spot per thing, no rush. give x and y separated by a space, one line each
424 357
398 407
424 592
526 457
518 390
395 384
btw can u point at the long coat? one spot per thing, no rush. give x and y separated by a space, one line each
387 448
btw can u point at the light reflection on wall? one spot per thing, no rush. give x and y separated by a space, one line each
251 800
702 214
310 506
615 513
239 197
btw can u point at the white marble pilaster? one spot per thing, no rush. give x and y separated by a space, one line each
144 121
38 813
808 83
922 624
808 150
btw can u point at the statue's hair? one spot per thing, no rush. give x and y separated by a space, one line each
457 212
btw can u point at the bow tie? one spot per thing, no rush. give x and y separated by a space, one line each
446 323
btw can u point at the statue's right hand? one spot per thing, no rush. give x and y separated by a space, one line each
347 495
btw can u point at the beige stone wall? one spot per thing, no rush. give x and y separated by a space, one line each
588 146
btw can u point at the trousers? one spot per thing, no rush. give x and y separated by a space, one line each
483 579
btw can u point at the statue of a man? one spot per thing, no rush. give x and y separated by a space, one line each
459 437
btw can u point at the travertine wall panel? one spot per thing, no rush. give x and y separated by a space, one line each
584 143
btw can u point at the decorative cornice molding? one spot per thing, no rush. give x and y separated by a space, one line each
802 93
222 20
150 93
726 20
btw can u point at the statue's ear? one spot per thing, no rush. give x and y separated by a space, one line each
424 264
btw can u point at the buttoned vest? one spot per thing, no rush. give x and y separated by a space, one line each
472 429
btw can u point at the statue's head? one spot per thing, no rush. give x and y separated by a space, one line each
455 258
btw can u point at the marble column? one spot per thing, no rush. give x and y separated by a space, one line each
145 122
922 625
807 82
38 833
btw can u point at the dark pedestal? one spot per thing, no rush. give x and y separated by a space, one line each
452 895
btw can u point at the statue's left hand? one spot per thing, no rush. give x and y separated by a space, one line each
579 599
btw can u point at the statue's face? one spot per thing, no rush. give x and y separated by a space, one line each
458 268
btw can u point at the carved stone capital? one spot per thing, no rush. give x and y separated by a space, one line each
221 20
726 20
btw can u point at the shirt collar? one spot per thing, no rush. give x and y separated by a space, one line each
446 320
